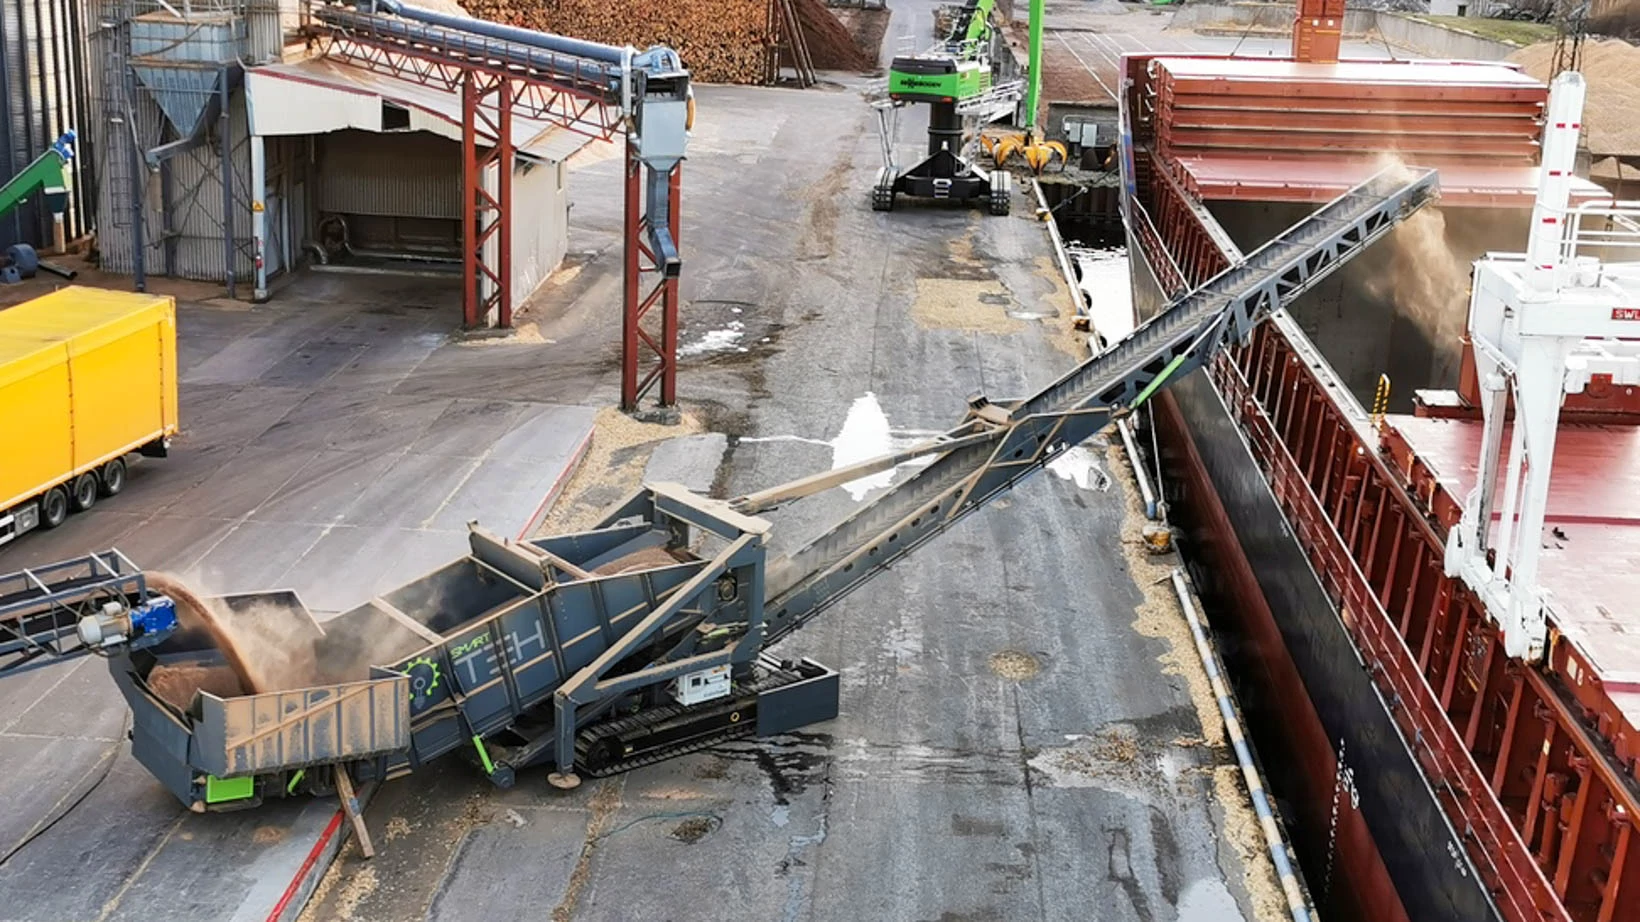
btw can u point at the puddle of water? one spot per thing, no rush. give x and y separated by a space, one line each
1107 291
866 435
1208 900
1080 465
723 340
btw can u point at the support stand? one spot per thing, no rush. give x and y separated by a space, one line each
486 192
944 174
350 806
642 347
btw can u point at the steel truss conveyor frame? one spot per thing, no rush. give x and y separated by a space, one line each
562 650
999 445
41 606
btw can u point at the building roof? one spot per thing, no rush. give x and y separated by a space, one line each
321 95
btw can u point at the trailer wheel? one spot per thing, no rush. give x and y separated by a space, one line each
113 477
53 507
84 491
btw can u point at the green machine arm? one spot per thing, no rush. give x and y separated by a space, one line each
1034 74
46 174
974 25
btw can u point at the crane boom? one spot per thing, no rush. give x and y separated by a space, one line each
971 26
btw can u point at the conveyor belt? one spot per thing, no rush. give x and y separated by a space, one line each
1031 432
40 607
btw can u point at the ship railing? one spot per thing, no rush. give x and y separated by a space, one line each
1609 230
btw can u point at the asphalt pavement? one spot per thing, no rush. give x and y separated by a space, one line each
1018 738
310 457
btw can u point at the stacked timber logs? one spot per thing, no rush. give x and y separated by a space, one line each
720 41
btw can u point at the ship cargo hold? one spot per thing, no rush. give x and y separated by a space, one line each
1317 469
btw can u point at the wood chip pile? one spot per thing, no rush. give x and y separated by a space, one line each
720 41
831 45
1611 68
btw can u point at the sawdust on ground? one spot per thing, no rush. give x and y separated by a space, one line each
968 305
1158 614
820 228
605 802
1113 756
1115 744
524 334
357 888
1244 833
1014 665
601 480
966 295
268 835
352 877
1066 338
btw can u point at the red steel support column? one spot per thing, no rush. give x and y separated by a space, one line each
486 217
469 199
504 202
638 299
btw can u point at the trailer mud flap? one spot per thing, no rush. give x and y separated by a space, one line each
809 700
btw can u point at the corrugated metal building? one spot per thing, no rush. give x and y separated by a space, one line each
43 93
166 99
325 161
383 169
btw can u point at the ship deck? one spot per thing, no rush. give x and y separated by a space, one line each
1326 554
1591 558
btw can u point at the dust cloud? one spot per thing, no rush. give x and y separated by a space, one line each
268 646
1426 280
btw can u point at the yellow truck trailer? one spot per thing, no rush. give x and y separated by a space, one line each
87 377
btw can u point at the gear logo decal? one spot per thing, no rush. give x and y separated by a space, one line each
424 677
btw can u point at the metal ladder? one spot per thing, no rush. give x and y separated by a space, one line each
1001 444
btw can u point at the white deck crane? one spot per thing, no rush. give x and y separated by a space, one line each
1543 323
